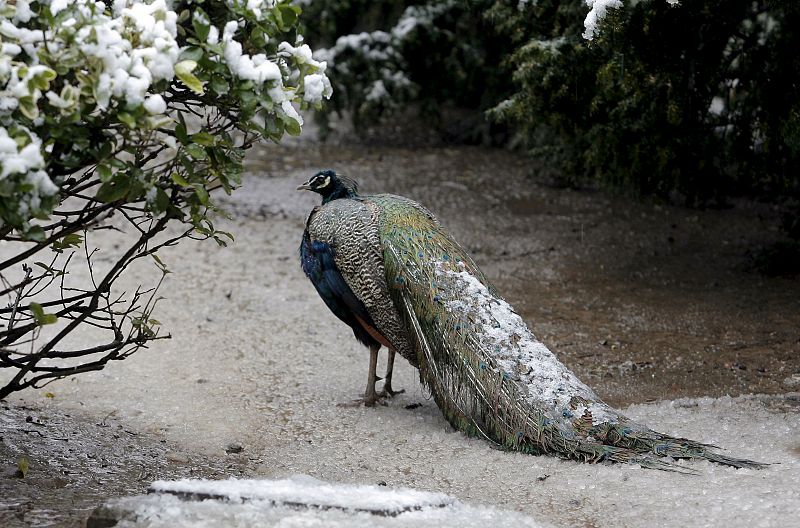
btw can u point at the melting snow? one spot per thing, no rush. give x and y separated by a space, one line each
302 501
309 491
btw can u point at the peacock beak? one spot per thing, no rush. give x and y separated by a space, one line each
304 187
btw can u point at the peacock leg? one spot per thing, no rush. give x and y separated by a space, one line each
387 391
371 397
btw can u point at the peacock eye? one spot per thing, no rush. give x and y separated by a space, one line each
326 182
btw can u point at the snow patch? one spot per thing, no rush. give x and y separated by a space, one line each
317 87
310 491
303 501
597 12
599 9
154 104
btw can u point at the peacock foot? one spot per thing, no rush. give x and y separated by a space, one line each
387 391
366 401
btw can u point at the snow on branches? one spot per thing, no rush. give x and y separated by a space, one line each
597 12
134 64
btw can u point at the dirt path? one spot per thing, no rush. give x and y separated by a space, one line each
643 302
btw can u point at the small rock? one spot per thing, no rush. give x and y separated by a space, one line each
234 448
627 366
180 458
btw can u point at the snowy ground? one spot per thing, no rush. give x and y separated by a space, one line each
257 360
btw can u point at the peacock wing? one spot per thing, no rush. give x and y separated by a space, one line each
349 228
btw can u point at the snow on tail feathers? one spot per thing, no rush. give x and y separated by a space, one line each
488 373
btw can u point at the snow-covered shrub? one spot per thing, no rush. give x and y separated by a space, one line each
386 57
691 101
137 109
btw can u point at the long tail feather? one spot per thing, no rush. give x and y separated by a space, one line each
489 374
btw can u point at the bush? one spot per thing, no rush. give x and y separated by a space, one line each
137 111
687 101
694 101
388 57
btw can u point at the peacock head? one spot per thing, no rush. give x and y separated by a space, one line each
330 186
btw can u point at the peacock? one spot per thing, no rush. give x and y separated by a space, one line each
385 266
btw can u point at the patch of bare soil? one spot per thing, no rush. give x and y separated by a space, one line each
73 462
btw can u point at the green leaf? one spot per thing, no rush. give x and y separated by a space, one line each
48 269
73 239
156 121
225 234
292 127
286 16
204 138
136 189
68 241
201 24
162 200
28 107
196 151
193 53
219 85
41 317
104 172
105 150
180 180
183 70
159 262
188 165
180 133
202 195
114 190
127 118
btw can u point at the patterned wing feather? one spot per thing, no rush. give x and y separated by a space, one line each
319 265
350 229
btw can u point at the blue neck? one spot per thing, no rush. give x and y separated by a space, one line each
339 191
